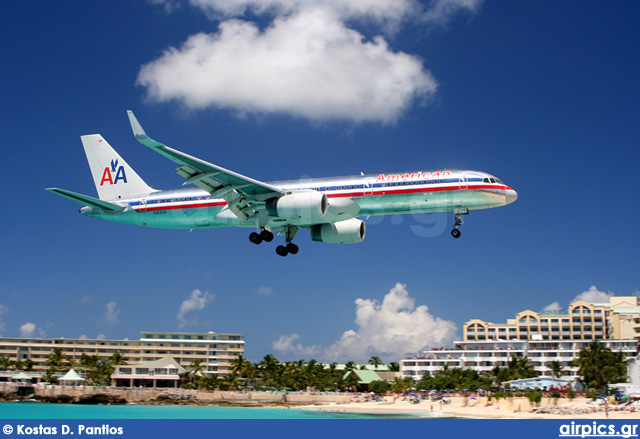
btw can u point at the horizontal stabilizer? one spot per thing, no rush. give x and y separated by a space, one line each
87 200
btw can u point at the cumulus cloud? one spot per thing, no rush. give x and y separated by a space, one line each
555 306
197 301
110 317
308 62
388 329
592 295
27 330
286 345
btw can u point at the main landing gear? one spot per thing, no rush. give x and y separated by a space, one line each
267 236
458 212
264 235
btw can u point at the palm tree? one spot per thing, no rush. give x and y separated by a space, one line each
394 367
375 362
349 366
88 362
117 359
599 366
521 367
56 358
5 363
557 367
27 364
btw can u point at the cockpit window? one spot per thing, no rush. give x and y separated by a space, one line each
485 180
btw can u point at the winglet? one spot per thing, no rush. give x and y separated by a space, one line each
138 132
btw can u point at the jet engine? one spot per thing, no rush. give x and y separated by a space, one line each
300 205
350 231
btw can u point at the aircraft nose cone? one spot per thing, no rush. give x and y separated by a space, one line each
510 195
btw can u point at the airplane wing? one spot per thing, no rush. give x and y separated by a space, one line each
87 200
241 193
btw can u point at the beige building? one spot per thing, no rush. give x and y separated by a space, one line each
160 373
617 320
217 352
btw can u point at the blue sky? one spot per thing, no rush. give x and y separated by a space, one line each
544 96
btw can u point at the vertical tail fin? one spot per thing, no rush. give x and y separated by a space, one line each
113 177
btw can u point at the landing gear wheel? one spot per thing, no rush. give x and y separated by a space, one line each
266 236
292 248
282 250
455 233
256 238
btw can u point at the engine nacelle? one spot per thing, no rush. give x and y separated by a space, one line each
350 231
302 205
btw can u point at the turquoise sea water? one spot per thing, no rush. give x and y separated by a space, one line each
37 410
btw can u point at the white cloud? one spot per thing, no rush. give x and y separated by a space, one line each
110 317
389 330
308 64
440 12
197 301
286 345
27 330
592 295
310 61
555 306
101 337
264 291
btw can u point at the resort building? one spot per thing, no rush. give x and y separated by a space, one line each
215 351
617 320
160 373
543 337
483 356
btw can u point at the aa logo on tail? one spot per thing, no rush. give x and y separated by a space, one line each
115 170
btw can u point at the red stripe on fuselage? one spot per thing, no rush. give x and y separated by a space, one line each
390 190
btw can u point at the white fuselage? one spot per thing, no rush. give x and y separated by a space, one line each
349 197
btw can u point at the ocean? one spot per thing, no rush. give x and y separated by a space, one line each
39 410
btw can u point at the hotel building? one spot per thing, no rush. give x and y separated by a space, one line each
217 352
543 337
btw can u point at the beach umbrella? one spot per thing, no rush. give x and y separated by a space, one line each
600 396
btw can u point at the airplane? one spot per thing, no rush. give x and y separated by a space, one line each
329 207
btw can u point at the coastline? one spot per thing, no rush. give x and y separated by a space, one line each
579 408
459 407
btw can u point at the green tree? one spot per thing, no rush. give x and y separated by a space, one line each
117 359
557 367
598 366
56 358
5 363
394 367
379 386
375 362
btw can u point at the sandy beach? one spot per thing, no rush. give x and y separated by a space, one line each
517 408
